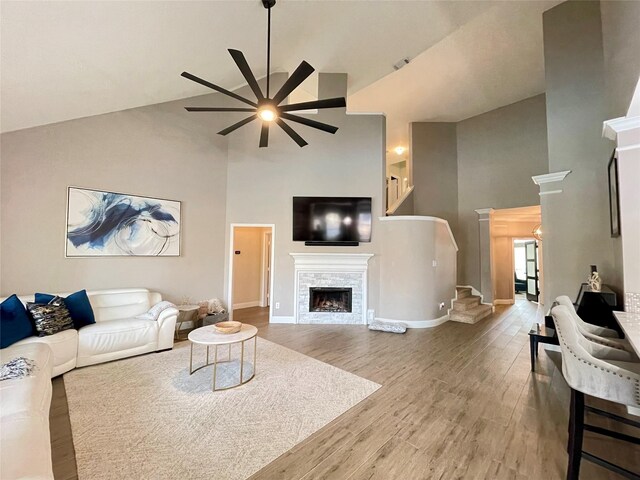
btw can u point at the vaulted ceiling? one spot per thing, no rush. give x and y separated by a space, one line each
66 60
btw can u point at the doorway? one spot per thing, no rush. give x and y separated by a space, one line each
516 265
250 269
526 267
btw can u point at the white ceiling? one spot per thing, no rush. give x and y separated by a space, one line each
494 60
65 60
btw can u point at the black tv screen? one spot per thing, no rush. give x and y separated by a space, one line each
331 219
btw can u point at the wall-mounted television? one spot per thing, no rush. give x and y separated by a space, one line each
332 220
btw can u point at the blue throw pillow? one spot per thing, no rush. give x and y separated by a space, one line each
15 323
78 305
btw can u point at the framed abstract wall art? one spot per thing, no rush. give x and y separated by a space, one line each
107 224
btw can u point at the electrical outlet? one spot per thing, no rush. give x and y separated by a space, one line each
434 263
277 305
441 305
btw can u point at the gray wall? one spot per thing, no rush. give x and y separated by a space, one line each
435 170
158 151
411 287
165 152
621 48
262 182
576 221
498 153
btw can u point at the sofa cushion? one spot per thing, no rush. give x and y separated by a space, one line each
120 304
50 318
64 346
15 323
78 305
115 335
24 417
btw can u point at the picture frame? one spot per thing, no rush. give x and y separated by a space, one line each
614 197
110 224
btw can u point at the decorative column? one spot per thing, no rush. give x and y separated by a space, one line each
550 195
625 131
484 233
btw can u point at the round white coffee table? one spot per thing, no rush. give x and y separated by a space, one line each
210 337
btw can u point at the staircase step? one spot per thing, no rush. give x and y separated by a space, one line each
472 315
463 292
466 303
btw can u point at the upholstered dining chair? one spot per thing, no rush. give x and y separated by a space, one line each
594 370
588 327
599 335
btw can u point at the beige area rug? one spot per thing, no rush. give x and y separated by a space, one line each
147 418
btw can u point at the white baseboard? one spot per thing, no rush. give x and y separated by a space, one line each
417 323
255 303
283 319
553 348
505 301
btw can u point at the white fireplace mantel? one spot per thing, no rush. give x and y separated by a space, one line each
331 270
342 261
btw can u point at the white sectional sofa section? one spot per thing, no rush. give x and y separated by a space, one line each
116 333
25 445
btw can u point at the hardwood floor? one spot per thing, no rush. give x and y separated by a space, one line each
457 401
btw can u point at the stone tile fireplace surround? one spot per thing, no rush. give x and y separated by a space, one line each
331 270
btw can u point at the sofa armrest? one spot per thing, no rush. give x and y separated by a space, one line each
166 316
166 328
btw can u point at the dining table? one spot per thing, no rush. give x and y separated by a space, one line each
630 324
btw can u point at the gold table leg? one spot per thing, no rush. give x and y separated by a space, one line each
215 367
241 360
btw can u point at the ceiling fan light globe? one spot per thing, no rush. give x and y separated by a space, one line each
267 114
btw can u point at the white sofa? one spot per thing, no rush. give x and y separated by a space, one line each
116 333
25 447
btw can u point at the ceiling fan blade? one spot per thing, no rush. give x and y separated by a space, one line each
310 123
242 64
297 77
218 109
264 135
291 132
217 88
235 126
317 104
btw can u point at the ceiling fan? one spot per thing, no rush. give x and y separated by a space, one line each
266 108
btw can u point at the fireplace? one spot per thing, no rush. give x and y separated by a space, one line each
330 299
331 275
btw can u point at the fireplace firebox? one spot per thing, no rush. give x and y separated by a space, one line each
330 299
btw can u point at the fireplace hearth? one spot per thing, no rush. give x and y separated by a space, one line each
330 299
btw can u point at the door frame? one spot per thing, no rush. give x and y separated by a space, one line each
232 228
536 246
265 281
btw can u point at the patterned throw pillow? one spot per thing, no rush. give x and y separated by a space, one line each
50 318
78 304
155 311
